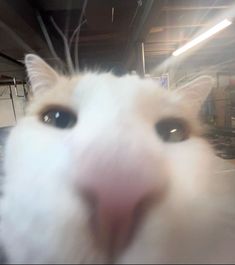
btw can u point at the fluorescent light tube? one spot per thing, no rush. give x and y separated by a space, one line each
218 27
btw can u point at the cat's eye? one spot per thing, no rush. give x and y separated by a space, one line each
59 117
172 130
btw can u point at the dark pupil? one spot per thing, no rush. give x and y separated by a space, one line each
58 118
172 130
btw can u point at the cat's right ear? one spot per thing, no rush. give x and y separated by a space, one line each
40 74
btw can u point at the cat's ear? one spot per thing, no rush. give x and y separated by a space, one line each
196 92
40 74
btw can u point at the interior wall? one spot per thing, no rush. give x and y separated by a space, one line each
11 110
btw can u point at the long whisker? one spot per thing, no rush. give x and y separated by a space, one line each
78 34
66 46
75 31
48 39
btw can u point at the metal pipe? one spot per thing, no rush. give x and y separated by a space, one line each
12 102
25 92
143 58
15 86
140 59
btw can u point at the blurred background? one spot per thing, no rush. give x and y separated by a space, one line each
173 41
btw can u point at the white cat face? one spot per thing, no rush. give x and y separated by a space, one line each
101 169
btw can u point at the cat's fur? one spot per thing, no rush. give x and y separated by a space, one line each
45 218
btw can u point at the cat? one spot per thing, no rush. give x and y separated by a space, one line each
106 169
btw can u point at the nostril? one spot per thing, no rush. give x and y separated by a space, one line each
89 198
91 203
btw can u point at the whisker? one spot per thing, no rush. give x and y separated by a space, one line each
66 46
48 39
78 34
75 31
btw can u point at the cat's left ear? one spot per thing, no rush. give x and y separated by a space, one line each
196 91
40 74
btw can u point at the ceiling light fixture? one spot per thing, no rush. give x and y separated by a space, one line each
218 27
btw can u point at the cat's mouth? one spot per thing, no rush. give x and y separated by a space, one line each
114 232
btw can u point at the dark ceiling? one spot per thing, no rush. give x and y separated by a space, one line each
111 32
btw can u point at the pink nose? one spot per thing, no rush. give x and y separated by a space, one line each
118 204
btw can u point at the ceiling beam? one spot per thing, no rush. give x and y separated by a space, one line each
175 37
10 68
21 27
9 59
193 8
102 37
151 11
162 28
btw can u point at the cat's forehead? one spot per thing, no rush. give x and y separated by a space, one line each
127 89
96 89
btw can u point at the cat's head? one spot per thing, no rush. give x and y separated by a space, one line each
96 161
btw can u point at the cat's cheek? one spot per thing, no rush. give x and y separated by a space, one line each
189 174
189 167
37 181
49 156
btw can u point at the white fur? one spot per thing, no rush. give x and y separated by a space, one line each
45 220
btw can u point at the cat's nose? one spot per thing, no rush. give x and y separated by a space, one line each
118 208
